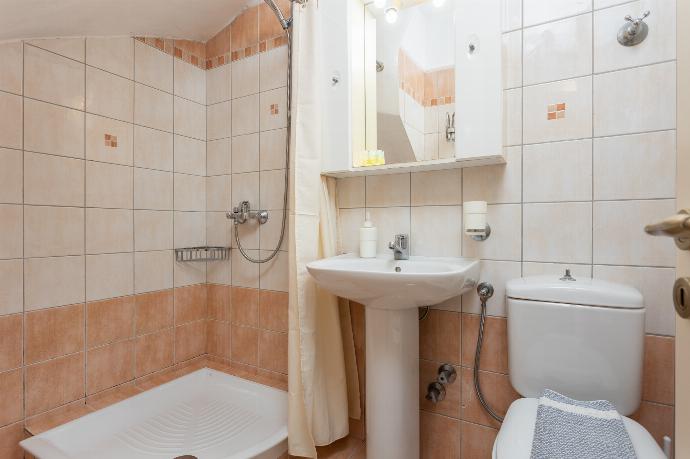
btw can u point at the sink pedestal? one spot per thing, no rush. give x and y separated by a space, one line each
392 378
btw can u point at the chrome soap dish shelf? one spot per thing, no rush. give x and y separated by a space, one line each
205 253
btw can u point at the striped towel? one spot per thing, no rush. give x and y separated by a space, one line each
571 429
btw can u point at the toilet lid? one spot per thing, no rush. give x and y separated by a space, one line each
514 440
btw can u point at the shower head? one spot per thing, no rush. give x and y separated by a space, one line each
284 23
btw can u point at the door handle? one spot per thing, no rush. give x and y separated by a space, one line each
677 227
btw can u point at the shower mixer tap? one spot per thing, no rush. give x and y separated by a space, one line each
244 212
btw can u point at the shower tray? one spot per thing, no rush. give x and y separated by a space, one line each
205 414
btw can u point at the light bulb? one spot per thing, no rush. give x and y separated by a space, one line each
439 3
379 3
391 15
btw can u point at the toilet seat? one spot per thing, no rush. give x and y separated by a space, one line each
514 440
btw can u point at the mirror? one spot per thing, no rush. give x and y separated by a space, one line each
410 63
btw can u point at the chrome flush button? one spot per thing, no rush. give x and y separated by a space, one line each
567 277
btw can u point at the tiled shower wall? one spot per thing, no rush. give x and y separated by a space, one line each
576 192
104 170
102 166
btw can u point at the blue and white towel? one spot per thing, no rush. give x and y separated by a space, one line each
571 429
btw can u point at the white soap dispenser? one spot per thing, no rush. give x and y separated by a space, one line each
368 237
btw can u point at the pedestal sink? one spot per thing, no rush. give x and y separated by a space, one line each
391 291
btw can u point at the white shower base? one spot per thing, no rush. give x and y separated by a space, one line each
206 414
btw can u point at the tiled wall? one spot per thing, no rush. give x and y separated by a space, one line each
575 192
246 112
103 165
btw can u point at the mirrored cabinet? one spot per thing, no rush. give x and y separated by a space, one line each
413 84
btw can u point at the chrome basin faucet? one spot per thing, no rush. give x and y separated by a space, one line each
400 247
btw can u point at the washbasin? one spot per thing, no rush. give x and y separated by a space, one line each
385 283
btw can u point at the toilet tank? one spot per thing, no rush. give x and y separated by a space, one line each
583 338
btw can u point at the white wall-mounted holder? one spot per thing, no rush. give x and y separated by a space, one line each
474 220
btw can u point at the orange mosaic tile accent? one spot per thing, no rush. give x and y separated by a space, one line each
191 52
432 88
110 140
274 109
555 111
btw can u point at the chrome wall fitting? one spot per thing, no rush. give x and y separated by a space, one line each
450 127
446 374
481 237
244 212
634 31
435 392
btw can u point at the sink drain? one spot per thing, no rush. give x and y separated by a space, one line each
186 456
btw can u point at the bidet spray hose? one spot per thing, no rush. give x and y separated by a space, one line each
485 291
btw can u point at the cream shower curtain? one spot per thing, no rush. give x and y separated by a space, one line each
318 390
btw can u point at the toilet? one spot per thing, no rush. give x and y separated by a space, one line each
583 338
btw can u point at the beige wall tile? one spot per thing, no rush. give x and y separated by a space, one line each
113 54
109 231
350 222
153 271
388 190
53 231
245 274
53 78
436 231
271 189
274 274
11 176
190 192
641 166
498 273
11 286
99 149
189 229
218 191
548 226
10 120
219 272
153 67
54 281
245 77
109 95
272 149
51 180
153 230
68 47
618 235
153 189
436 188
218 160
558 171
109 185
617 115
190 155
53 332
11 74
218 121
11 230
109 276
153 108
497 184
273 68
245 115
246 153
190 81
512 117
218 84
153 149
190 119
350 192
53 129
389 221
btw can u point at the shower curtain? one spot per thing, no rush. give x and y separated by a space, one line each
317 380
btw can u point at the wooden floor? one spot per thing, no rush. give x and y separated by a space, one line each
347 448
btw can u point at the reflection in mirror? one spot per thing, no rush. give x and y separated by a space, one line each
410 88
